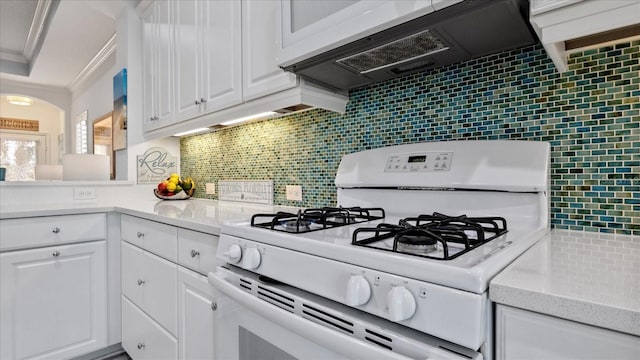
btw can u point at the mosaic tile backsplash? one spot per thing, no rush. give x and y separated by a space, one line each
590 115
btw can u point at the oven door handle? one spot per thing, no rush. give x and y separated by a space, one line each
330 339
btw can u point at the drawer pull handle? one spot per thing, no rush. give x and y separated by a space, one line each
56 253
141 282
195 253
203 100
56 230
197 102
140 235
214 306
141 346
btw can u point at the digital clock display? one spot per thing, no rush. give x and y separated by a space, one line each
417 159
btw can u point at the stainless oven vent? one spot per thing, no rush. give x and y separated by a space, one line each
394 53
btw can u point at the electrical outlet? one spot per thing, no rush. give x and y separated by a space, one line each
210 188
84 193
294 192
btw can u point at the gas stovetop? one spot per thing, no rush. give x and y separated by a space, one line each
316 218
435 236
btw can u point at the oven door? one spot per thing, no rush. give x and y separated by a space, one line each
256 321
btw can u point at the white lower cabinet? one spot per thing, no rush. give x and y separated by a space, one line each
195 313
151 283
53 301
143 338
167 308
522 335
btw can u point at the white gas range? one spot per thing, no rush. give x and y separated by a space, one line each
401 267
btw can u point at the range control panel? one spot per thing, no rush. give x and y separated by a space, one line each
419 162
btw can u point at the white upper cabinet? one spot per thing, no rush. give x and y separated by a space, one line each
559 21
312 27
208 56
261 74
223 64
221 54
157 57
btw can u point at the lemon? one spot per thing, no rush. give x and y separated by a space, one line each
171 186
174 175
174 180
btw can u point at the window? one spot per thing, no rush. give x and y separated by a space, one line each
81 133
20 152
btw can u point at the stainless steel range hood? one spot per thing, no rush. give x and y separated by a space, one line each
466 30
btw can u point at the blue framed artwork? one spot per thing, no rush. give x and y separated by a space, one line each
120 110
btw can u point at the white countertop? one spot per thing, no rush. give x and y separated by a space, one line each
581 276
195 214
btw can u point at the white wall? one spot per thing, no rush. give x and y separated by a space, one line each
96 96
48 117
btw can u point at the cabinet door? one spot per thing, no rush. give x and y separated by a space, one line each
53 301
261 75
148 69
143 338
160 290
312 27
187 74
157 56
526 335
221 58
132 278
195 298
164 62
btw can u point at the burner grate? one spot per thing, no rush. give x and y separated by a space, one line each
316 218
435 236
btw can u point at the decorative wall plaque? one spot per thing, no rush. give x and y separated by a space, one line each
19 124
249 191
155 165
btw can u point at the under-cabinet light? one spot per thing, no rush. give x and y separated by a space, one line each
190 132
251 117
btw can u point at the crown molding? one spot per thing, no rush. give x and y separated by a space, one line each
101 57
37 29
10 56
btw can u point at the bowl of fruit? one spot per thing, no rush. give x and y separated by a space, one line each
175 188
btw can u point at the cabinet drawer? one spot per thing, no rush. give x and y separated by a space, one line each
160 239
51 230
143 338
197 251
151 282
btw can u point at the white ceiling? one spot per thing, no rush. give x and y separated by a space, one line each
75 31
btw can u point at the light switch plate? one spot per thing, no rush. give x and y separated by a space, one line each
210 188
294 192
84 193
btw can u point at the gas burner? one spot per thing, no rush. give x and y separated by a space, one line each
421 235
316 218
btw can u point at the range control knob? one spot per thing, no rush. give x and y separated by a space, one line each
401 303
358 291
251 259
234 253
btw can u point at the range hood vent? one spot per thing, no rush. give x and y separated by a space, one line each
466 30
396 52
